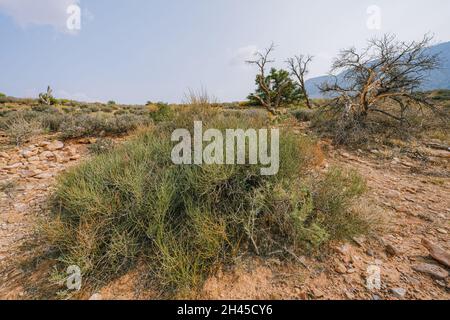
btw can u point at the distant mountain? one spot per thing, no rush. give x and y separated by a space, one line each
437 79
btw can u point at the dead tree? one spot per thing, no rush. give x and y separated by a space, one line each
299 69
386 71
270 100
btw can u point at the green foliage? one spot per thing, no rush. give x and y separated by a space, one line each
332 197
53 121
2 95
291 94
163 112
111 102
303 115
132 203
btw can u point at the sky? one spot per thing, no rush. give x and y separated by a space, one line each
155 50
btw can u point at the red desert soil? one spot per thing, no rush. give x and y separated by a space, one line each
413 199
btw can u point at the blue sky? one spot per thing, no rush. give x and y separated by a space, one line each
138 50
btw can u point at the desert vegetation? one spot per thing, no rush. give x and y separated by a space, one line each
126 205
132 203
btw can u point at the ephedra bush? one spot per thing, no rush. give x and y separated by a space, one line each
133 203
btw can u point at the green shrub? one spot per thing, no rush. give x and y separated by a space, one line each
303 115
2 95
163 113
53 122
44 108
123 123
133 203
333 195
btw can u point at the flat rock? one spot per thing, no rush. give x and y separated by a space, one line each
393 251
14 166
28 153
4 155
432 270
340 268
47 155
44 175
399 292
55 145
317 293
438 253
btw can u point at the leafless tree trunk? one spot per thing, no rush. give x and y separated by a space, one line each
299 69
387 70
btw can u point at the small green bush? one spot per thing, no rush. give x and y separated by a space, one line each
53 121
303 115
163 113
132 203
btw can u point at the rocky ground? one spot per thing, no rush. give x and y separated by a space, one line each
410 249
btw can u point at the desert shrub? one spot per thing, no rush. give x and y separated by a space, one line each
94 108
2 95
120 112
351 133
107 108
87 125
44 108
19 129
81 126
303 115
53 121
123 123
333 195
133 203
163 112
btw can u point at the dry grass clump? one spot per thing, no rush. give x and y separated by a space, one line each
133 203
20 128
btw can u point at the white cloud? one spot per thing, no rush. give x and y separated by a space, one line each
243 54
39 12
